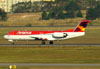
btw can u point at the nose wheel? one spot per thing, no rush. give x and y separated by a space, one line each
12 42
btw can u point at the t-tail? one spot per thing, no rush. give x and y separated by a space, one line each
81 26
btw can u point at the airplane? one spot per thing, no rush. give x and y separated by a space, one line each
50 36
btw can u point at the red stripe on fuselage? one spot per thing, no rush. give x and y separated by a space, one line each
35 32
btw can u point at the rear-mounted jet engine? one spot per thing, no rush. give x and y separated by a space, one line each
60 35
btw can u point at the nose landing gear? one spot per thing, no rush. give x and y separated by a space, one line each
12 42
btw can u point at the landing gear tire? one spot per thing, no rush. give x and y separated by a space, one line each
51 42
43 42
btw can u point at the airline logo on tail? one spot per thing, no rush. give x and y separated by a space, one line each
82 26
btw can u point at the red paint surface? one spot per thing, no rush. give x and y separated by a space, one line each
35 32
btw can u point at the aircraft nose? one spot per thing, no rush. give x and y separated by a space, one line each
6 36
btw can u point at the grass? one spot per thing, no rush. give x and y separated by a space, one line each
47 67
2 67
76 55
91 37
23 19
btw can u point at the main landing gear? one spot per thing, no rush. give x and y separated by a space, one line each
50 42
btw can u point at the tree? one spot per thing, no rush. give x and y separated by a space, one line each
91 14
61 3
61 15
72 6
3 15
98 10
22 7
84 4
70 14
71 9
92 3
36 7
50 15
54 13
44 15
79 14
19 7
47 6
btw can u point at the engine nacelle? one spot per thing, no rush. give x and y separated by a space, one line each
59 35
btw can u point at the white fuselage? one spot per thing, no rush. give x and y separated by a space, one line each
43 36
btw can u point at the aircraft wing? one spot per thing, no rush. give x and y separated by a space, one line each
36 38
